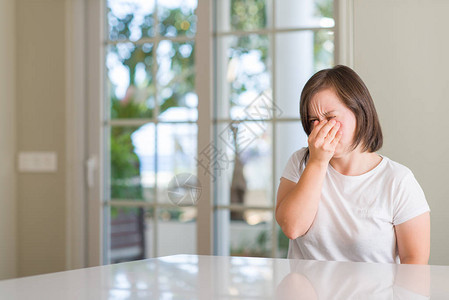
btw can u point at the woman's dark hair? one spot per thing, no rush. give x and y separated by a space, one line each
354 94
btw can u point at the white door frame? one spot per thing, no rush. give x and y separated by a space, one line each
84 94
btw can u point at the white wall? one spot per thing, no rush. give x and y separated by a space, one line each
401 52
8 230
32 118
41 126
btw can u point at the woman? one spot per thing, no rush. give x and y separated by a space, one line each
338 199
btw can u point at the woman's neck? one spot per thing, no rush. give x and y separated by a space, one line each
355 162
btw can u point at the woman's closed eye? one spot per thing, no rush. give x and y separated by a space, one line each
328 118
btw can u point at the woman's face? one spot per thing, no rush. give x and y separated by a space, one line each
326 105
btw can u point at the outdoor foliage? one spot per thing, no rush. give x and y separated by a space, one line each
139 101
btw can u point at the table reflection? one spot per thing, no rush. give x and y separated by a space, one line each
344 280
208 277
214 277
223 277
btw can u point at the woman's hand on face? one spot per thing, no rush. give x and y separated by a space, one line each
323 140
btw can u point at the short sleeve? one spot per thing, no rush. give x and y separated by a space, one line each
292 170
410 201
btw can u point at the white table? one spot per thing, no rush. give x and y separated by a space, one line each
213 277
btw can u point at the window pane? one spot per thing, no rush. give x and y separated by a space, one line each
132 232
242 14
130 19
176 231
176 152
323 49
290 137
176 81
246 181
132 162
129 239
144 144
304 13
243 73
130 80
298 56
177 17
246 233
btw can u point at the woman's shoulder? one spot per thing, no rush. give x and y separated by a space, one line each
396 169
297 157
293 169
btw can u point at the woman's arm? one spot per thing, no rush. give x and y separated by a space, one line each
413 238
297 204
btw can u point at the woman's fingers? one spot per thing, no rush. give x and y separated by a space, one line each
322 148
325 129
317 125
331 135
337 139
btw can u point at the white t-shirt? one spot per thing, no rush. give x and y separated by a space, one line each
357 214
